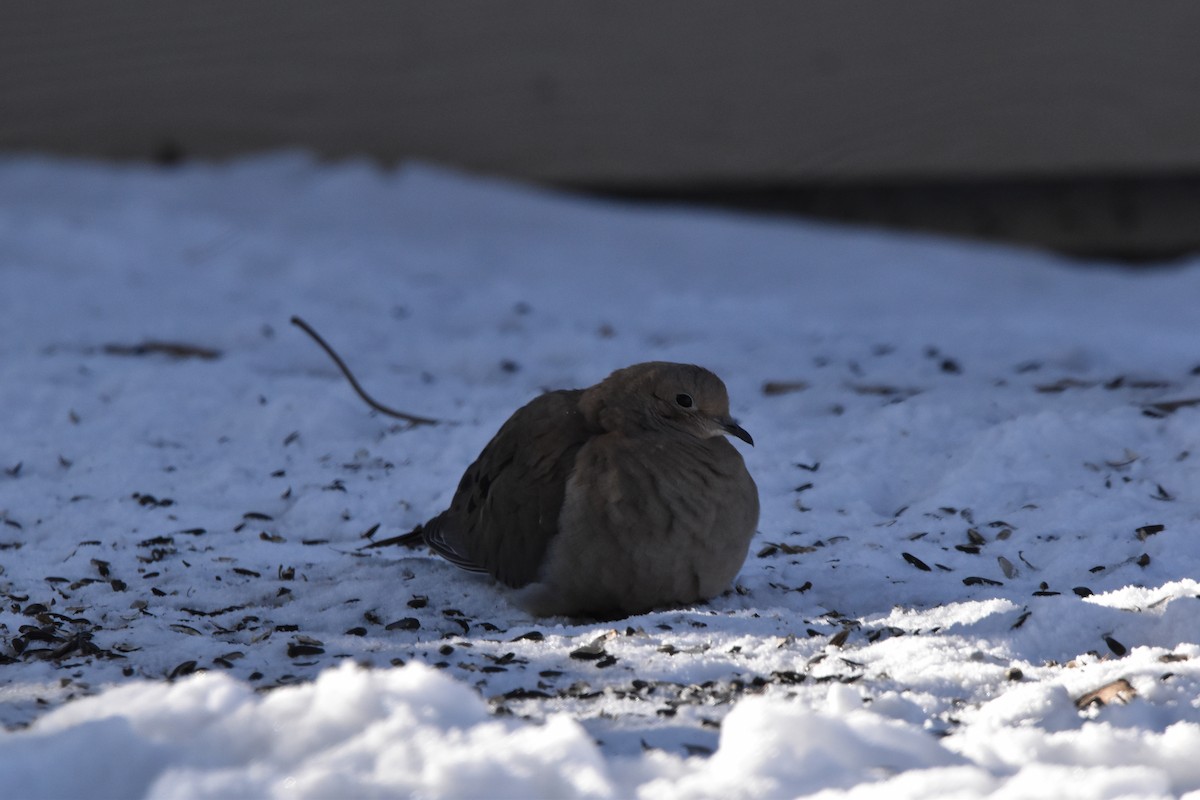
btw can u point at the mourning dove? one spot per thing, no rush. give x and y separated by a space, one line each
609 501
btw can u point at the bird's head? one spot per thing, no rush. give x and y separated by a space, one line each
660 395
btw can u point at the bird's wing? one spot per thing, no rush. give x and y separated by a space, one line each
506 508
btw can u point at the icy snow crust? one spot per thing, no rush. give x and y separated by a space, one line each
962 469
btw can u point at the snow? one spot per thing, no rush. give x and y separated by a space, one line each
961 465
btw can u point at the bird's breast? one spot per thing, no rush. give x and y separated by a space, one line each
652 523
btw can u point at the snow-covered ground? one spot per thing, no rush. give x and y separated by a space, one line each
975 511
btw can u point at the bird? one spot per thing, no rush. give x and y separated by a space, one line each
610 501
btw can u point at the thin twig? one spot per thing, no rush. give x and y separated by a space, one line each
412 419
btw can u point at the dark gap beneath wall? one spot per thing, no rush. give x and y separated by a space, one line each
1139 221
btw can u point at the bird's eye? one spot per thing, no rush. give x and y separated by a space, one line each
683 400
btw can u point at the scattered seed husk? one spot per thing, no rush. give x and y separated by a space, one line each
774 548
1171 406
406 624
1146 531
883 390
1162 494
525 694
1119 691
186 668
175 350
188 629
1062 385
775 388
788 677
199 613
593 649
298 650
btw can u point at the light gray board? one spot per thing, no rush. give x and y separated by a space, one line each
644 93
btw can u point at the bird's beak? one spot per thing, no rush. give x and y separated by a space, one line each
731 427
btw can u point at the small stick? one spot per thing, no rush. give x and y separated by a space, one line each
411 419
